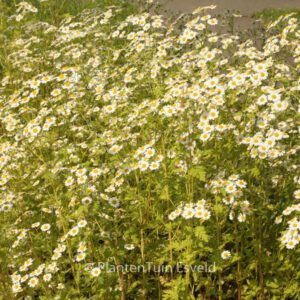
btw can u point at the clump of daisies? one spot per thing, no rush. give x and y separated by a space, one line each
147 158
291 236
199 210
231 191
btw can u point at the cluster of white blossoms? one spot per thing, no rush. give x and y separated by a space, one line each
291 236
45 272
23 9
231 192
198 210
147 158
6 202
32 278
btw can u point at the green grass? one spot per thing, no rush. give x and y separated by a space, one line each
271 14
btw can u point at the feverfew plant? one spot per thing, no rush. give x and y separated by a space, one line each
128 139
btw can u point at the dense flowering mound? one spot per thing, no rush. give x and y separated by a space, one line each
127 139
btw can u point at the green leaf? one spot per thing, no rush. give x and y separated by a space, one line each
198 172
255 172
273 285
201 234
164 195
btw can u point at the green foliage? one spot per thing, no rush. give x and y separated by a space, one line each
270 14
198 172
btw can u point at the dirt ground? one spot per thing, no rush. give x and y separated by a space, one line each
246 7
